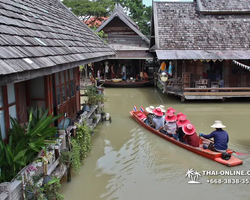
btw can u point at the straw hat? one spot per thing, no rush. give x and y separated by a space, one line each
218 124
158 112
162 108
182 121
188 129
170 109
179 115
170 117
141 116
150 109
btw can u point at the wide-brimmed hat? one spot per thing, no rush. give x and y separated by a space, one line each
158 112
188 129
150 109
182 121
162 108
170 117
218 124
179 115
141 116
170 109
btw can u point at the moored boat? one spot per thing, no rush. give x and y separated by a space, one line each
125 84
216 156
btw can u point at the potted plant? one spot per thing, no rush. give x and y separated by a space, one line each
30 190
94 119
65 157
51 189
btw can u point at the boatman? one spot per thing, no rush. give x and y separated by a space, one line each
220 137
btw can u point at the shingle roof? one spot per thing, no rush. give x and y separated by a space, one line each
239 6
47 33
118 12
178 26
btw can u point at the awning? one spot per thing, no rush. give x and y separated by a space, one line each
133 55
203 54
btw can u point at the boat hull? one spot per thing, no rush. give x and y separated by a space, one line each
125 84
216 156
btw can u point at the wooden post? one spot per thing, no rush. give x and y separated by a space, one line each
69 173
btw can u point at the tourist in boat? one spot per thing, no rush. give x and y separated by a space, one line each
170 109
162 109
170 126
158 120
190 135
220 137
150 115
179 134
180 114
143 117
124 72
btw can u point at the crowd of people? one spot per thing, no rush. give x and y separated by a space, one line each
180 128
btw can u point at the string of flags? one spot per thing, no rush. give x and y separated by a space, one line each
242 65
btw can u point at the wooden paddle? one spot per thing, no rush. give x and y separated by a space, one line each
238 153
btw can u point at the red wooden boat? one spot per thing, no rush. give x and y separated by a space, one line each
233 161
125 84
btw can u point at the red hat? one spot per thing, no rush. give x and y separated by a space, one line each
182 121
158 112
179 115
170 117
171 110
188 129
141 116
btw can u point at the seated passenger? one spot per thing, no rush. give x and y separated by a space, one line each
158 120
179 132
150 115
170 109
170 126
190 135
179 115
142 117
220 138
162 109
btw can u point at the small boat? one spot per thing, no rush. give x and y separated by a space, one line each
125 84
216 156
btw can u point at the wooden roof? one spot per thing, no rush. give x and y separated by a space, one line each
224 6
182 26
118 12
37 34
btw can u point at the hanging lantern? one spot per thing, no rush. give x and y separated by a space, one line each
164 77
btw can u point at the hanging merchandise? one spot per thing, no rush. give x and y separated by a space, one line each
242 65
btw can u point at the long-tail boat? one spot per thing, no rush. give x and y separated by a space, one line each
216 156
125 84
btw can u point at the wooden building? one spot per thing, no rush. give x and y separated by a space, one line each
42 44
209 45
124 36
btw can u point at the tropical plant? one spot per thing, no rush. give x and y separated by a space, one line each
81 145
51 190
76 156
25 142
65 157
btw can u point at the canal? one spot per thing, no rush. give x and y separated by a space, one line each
127 162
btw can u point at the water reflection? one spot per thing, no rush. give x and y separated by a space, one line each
128 162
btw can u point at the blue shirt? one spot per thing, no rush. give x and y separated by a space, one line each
220 139
158 122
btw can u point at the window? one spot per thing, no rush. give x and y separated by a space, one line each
2 120
37 93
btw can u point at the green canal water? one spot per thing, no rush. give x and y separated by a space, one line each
127 162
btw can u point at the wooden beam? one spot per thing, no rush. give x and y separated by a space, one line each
217 94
